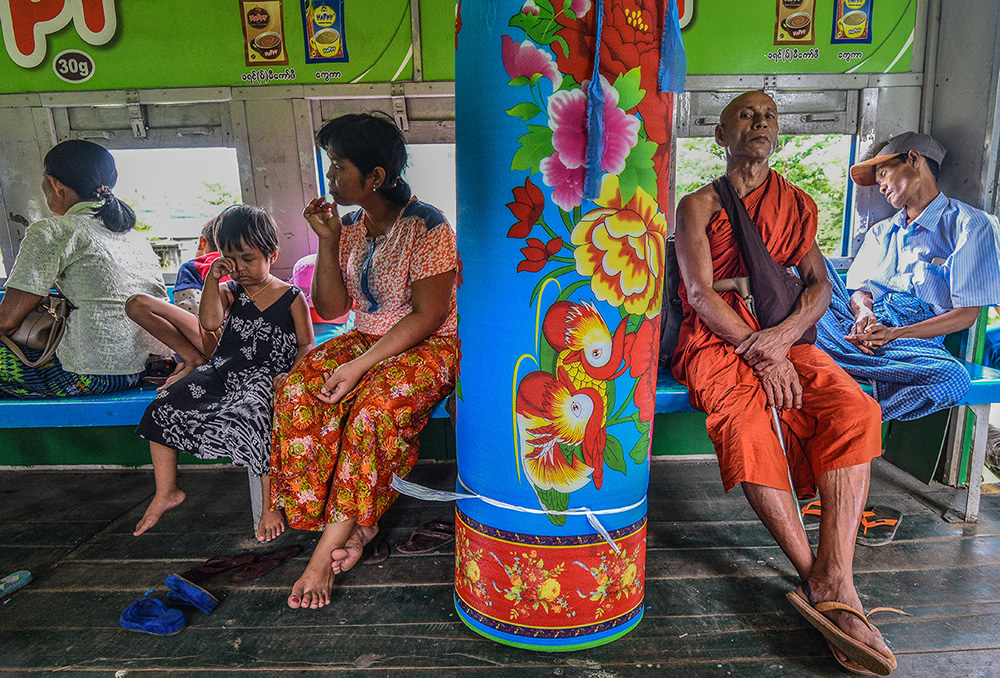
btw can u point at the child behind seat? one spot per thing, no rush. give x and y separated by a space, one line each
176 325
191 274
224 407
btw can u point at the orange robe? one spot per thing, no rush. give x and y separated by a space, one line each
838 425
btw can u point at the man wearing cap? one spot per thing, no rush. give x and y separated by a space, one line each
919 275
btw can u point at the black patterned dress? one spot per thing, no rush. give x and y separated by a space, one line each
224 407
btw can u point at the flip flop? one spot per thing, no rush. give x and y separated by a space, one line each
376 551
853 667
264 563
216 565
811 512
859 654
427 538
180 591
878 525
151 615
13 582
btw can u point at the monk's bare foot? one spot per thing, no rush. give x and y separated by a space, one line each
272 523
312 589
161 504
847 622
181 371
347 557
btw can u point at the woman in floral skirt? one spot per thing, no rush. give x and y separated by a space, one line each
347 418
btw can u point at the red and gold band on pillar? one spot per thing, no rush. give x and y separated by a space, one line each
549 587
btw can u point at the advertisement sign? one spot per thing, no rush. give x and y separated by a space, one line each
67 45
799 36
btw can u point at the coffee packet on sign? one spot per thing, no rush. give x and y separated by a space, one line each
323 21
852 21
794 22
263 33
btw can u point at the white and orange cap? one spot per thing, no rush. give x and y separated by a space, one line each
863 174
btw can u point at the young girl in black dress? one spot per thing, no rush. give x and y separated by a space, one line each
224 407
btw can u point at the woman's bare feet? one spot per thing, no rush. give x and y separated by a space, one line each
312 589
272 523
161 504
347 557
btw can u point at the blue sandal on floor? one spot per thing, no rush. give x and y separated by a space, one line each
13 582
151 615
182 592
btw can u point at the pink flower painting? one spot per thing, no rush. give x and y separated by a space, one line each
565 169
526 60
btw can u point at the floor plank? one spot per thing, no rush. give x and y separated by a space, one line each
714 601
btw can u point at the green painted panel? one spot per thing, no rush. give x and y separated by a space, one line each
170 43
680 433
739 37
437 39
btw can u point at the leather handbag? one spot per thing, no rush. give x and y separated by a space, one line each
775 288
41 329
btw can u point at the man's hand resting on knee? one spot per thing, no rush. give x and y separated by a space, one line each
781 384
765 348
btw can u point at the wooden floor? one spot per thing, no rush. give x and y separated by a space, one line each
715 588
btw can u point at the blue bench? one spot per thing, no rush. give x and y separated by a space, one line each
984 390
126 409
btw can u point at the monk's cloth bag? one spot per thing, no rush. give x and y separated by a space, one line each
775 288
672 314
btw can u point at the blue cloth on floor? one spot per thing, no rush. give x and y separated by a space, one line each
911 377
182 592
151 615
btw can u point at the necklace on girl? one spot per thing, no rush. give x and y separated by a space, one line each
253 296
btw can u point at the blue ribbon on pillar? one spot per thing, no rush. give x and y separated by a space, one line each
595 116
673 58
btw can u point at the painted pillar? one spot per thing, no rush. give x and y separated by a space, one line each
558 311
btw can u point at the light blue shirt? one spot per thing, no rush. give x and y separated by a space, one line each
949 256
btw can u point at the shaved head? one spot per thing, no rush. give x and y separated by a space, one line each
745 100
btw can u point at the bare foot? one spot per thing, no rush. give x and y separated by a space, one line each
181 371
272 523
312 589
346 557
161 504
847 622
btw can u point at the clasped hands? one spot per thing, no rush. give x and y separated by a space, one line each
868 334
766 351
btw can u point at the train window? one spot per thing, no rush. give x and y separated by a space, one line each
174 191
430 171
817 163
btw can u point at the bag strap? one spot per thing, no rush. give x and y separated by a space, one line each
748 238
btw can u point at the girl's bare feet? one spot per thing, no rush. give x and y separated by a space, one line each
161 504
272 523
312 589
181 371
347 557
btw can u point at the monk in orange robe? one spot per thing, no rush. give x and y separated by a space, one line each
735 371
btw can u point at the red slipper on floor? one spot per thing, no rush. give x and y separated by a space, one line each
216 565
264 563
427 538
